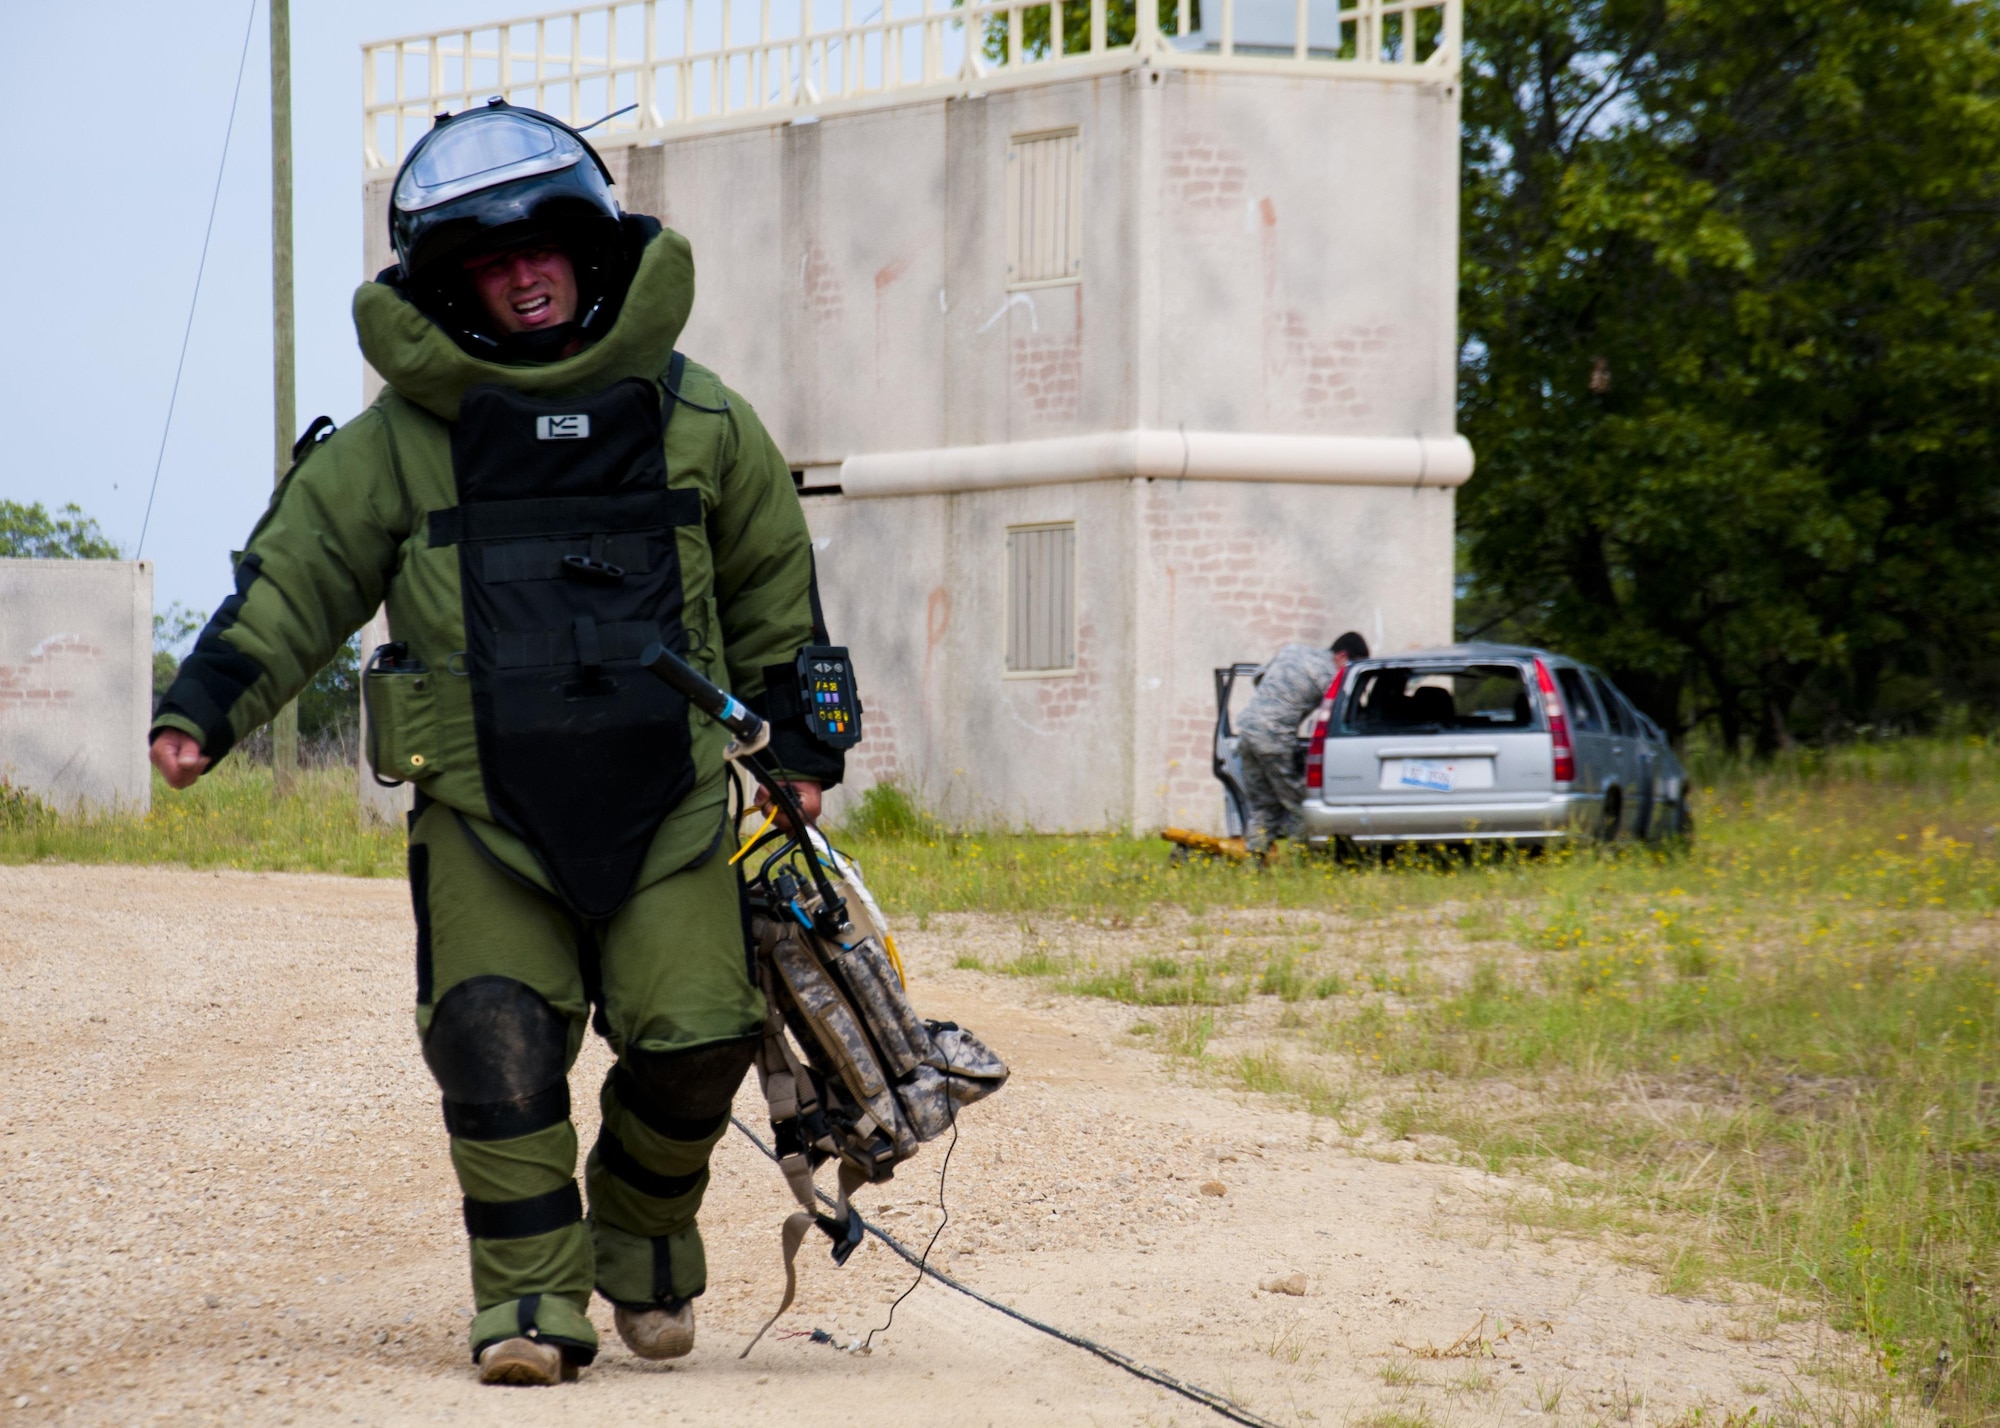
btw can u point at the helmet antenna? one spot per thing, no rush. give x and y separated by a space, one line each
607 118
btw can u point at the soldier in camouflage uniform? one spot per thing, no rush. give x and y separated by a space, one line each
1290 687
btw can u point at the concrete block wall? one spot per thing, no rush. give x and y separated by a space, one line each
1262 253
1174 579
76 681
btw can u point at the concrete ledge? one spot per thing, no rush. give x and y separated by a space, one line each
1164 455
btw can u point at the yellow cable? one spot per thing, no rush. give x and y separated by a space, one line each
751 841
895 960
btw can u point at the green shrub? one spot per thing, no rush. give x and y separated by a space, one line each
887 812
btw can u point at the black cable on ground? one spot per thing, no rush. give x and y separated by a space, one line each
1207 1398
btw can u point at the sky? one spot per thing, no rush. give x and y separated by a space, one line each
119 111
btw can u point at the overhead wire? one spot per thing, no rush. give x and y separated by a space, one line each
201 267
1207 1398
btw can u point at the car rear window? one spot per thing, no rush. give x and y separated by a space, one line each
1614 707
1425 698
1583 716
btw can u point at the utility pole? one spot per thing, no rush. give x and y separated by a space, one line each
284 728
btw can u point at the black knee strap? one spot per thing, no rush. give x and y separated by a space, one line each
684 1095
499 1053
621 1163
503 1120
518 1219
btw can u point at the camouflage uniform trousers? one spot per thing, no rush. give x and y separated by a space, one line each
1289 688
1274 792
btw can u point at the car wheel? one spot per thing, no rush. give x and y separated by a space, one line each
1614 811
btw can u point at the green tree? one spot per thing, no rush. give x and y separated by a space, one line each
1729 281
172 633
331 704
1120 27
29 531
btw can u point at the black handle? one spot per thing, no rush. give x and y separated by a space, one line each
683 677
730 712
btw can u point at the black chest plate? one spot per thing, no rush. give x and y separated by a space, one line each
569 566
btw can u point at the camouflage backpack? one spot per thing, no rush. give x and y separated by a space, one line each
849 1070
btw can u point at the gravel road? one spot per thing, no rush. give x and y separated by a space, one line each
226 1199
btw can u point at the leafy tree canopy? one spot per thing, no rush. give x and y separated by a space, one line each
1731 354
29 531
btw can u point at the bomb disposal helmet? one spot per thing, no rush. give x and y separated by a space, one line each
500 177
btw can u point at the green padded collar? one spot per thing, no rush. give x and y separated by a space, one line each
414 355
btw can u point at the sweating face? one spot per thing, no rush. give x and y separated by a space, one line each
525 289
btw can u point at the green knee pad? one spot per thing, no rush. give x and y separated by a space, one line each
639 1273
557 1319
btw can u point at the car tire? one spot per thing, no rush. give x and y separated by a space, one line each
1613 813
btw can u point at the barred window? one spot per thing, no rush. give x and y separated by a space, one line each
1044 209
1041 598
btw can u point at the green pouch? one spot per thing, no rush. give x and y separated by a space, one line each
400 694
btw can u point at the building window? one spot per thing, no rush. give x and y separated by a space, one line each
1044 209
1041 599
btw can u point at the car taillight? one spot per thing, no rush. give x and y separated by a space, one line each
1316 750
1559 742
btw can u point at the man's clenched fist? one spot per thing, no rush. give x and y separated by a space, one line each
179 758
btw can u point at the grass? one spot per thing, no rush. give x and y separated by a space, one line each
230 819
1773 1056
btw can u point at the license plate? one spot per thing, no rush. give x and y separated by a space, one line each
1421 773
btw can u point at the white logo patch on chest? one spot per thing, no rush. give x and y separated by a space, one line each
562 428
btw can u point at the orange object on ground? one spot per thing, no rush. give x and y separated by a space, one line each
1193 842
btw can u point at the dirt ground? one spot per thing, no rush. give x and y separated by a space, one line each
224 1197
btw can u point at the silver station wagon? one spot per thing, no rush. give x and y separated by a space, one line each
1492 742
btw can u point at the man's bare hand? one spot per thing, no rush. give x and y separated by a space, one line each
180 760
807 793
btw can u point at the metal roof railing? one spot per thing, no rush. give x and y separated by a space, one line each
691 65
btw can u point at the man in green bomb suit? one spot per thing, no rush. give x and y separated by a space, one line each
544 488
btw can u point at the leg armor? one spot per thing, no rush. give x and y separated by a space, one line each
499 1053
663 1113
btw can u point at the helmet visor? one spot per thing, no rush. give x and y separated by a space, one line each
480 151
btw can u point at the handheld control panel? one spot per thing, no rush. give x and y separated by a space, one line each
826 689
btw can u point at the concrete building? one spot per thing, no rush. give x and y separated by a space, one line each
1098 368
76 682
